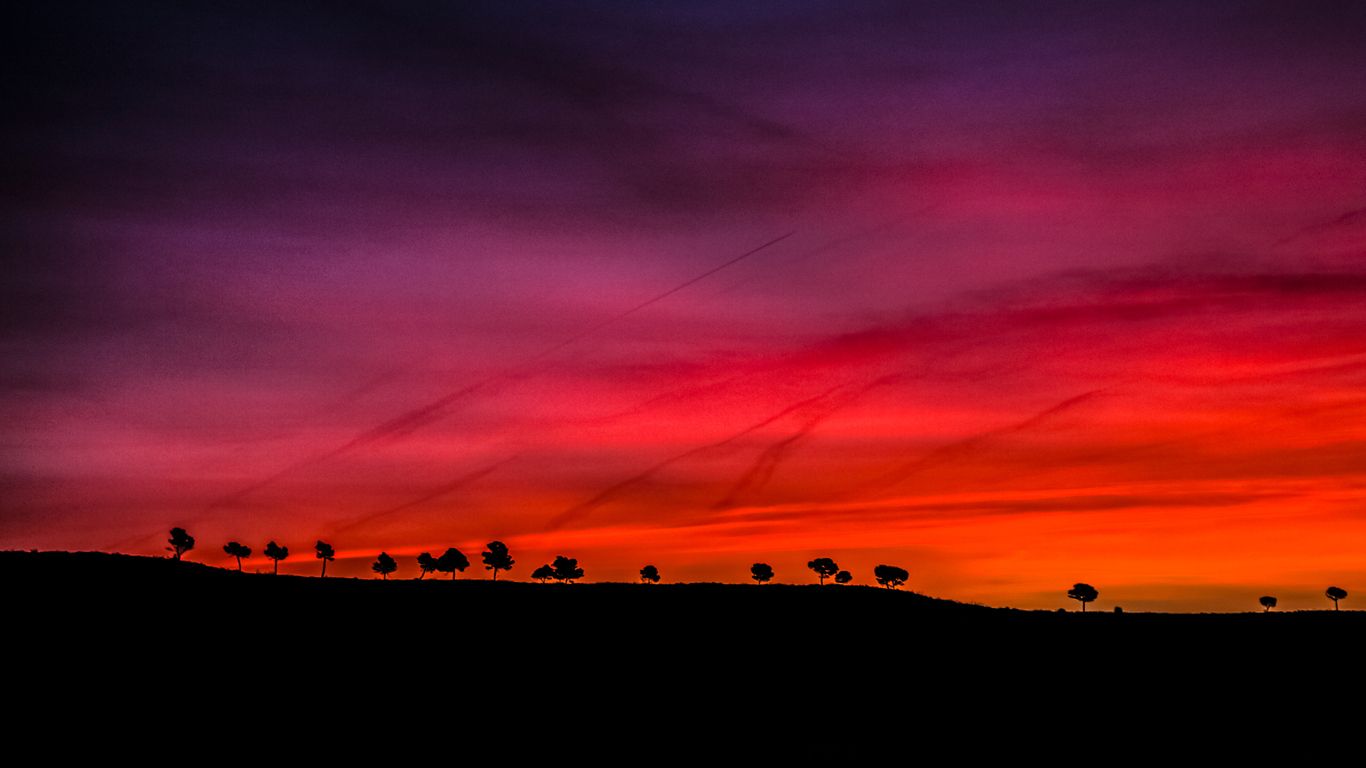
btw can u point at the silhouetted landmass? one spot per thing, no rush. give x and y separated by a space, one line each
101 625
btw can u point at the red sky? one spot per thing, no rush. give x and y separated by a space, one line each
1074 295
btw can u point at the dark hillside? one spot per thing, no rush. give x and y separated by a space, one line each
414 652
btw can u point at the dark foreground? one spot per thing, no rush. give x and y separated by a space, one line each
630 672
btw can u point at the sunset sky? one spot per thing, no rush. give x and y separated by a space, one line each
1012 295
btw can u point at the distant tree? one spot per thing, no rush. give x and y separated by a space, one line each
1119 609
1083 593
1268 602
384 565
277 553
890 576
180 541
451 561
543 574
238 551
566 569
824 568
497 559
1335 594
649 574
844 577
326 554
426 563
761 572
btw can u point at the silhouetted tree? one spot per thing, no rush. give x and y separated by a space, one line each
180 541
426 564
543 573
326 554
451 561
890 576
1083 593
277 553
384 565
824 567
1268 602
649 574
566 569
1335 594
497 559
844 577
761 572
238 551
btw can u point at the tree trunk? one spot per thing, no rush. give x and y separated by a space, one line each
420 575
495 574
1083 606
239 563
384 576
324 573
277 568
1335 603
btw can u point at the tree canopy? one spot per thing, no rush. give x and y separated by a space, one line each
890 576
324 552
1335 594
824 568
496 558
543 574
426 564
237 550
180 541
451 561
1083 593
276 552
844 577
566 569
384 565
761 572
649 574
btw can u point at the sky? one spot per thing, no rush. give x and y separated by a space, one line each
1011 295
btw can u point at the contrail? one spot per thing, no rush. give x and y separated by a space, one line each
435 493
773 455
609 493
967 445
418 417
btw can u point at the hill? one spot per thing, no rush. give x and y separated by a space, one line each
408 654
